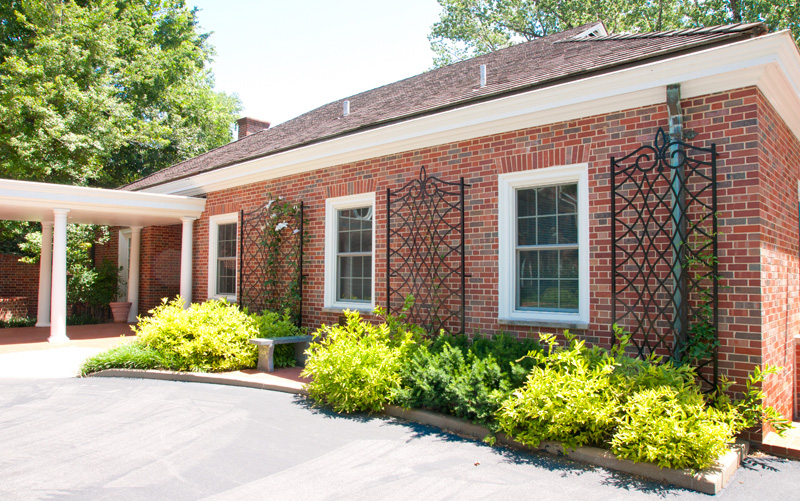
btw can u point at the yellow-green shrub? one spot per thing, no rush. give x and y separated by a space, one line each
568 397
356 367
671 428
206 337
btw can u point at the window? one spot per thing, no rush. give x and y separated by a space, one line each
543 232
222 256
349 252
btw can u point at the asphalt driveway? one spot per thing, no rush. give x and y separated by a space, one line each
115 439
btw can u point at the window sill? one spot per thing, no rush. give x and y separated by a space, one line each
558 324
230 299
367 308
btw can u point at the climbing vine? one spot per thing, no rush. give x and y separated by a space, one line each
272 245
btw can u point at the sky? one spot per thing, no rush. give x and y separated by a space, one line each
284 58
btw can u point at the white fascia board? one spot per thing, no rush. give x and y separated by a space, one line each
34 201
757 61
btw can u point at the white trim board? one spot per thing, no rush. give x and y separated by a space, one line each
770 62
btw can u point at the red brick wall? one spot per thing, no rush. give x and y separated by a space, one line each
778 169
746 210
797 377
13 307
20 280
109 250
160 265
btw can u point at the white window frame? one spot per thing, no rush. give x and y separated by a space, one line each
332 208
508 184
123 260
213 234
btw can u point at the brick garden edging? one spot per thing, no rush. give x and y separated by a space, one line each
709 481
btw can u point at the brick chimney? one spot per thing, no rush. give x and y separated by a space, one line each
249 126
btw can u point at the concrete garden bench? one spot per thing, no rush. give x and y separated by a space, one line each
266 349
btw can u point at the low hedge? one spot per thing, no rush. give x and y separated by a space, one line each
642 410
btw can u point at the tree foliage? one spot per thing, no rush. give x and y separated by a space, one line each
468 28
101 92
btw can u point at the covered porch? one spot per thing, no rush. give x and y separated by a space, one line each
54 206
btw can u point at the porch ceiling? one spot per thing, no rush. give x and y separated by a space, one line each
30 201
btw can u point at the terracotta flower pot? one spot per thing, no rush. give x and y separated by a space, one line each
120 311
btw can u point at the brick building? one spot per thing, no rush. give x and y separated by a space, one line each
532 129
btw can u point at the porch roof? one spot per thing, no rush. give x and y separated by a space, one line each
32 201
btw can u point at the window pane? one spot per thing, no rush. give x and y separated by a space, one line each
526 231
548 264
526 203
528 264
568 199
548 294
354 239
547 231
528 294
569 263
546 200
569 294
568 229
366 238
226 276
226 240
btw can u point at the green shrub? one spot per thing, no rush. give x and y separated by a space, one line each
568 397
207 337
17 322
454 383
356 367
670 427
82 319
508 352
131 355
273 324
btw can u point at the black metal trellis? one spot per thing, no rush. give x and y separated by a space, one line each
425 252
271 259
664 251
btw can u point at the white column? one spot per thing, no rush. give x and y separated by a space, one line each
45 270
133 272
58 297
186 260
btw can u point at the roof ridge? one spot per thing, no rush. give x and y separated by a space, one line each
734 28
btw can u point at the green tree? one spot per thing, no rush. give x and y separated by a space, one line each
468 28
101 92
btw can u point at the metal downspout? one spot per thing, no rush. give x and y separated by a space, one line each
678 221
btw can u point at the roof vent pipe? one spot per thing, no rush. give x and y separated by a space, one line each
483 75
346 108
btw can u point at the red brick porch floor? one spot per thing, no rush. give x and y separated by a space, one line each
102 336
19 339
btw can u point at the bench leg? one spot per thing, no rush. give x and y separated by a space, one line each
265 353
300 353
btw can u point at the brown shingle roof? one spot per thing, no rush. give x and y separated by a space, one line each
541 62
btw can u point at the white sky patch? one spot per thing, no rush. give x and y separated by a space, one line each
287 58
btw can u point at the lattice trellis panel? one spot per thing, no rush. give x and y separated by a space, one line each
664 251
425 252
271 258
